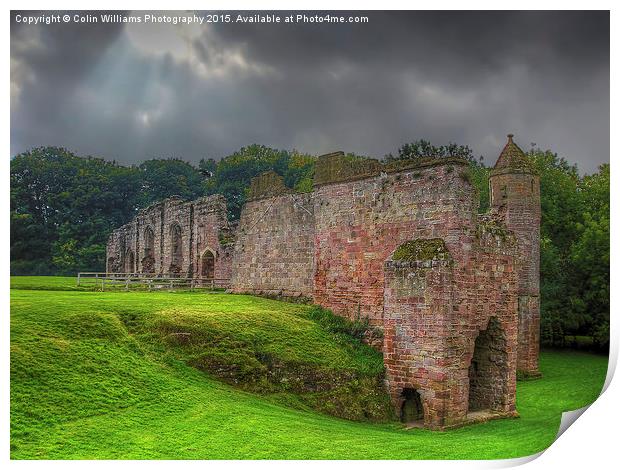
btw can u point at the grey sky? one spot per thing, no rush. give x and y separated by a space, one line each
135 91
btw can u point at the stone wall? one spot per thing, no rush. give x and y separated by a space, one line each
455 293
174 237
119 249
450 323
274 251
516 195
360 222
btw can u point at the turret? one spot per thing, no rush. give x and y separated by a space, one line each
515 193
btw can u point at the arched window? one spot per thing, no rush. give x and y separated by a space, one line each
176 245
129 262
207 265
148 261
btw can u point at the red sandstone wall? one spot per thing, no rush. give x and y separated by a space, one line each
434 311
360 223
275 245
516 195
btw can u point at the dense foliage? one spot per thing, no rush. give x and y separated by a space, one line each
231 176
574 253
63 208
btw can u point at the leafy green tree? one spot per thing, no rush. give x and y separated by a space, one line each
422 148
163 178
589 257
574 250
63 207
233 173
560 208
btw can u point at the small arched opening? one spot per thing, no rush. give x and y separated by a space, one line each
148 261
488 371
411 410
207 265
176 244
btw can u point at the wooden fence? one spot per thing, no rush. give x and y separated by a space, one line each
148 281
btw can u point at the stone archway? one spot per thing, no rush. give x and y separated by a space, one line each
488 371
207 265
411 410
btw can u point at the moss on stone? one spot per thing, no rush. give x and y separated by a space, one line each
338 167
493 227
268 184
466 175
421 250
226 239
422 162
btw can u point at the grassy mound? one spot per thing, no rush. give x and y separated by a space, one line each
108 375
271 348
259 345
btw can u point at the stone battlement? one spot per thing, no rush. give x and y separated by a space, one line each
337 167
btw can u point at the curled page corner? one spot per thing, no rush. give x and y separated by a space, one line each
568 418
518 461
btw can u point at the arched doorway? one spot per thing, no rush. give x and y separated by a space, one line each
176 244
207 265
411 409
129 261
488 371
148 261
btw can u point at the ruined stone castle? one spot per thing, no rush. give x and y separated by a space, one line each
455 293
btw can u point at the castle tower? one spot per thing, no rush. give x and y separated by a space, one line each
515 193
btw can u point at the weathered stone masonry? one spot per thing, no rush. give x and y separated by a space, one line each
515 193
173 237
455 293
274 253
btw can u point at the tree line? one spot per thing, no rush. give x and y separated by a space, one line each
64 206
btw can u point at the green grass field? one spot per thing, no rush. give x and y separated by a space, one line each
93 376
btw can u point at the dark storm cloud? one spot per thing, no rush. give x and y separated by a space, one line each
135 92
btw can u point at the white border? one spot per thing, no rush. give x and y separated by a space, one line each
592 442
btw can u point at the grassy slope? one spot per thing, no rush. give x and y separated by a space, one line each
82 387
